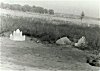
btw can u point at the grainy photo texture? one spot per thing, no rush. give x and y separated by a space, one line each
49 35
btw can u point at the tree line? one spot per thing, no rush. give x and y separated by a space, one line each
27 8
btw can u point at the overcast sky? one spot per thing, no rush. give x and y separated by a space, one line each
90 7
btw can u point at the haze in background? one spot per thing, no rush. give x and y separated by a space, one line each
90 7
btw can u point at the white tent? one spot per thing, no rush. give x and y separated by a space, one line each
81 41
17 36
63 40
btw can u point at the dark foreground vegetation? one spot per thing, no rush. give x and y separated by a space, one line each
46 30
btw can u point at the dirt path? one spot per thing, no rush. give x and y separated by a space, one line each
31 56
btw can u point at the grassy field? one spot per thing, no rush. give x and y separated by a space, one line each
58 17
29 55
50 30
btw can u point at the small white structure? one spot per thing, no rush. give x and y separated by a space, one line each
81 41
63 40
17 36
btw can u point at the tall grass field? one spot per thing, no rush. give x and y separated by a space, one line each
47 30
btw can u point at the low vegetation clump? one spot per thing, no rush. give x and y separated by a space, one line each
48 31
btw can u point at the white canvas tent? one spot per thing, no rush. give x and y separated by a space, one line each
81 41
17 36
63 40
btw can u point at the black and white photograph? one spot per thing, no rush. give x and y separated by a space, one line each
49 35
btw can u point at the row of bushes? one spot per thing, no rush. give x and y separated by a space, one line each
48 31
26 8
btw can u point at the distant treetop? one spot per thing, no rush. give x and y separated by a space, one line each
26 8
